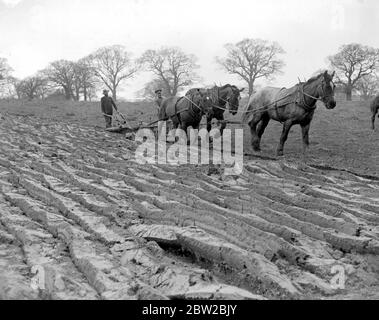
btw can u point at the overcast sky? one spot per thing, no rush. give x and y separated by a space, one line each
35 32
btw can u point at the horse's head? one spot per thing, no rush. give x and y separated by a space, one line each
326 90
234 99
203 99
206 101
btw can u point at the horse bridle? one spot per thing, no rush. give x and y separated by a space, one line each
324 96
226 101
196 105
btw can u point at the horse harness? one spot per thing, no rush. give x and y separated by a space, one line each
299 100
176 111
302 96
220 105
189 109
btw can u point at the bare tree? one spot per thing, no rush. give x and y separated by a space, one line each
368 86
32 87
5 74
252 59
352 62
91 93
77 83
7 89
148 92
5 69
113 65
62 74
17 88
84 79
173 68
44 89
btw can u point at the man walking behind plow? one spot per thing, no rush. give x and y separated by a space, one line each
107 105
158 98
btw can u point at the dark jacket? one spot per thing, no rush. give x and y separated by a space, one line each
106 105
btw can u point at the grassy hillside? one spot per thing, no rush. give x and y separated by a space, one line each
340 138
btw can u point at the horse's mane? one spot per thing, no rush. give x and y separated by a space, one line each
314 78
229 85
192 91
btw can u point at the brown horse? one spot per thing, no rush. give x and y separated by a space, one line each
289 106
220 97
186 111
374 110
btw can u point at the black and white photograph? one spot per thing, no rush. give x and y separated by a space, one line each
196 152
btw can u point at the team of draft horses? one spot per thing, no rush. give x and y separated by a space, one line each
290 106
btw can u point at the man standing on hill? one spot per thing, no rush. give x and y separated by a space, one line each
107 105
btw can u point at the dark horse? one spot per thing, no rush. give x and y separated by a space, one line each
220 97
374 110
186 111
291 106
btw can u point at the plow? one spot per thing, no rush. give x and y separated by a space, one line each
122 125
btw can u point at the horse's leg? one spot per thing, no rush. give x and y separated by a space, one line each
223 124
305 133
373 119
172 129
262 127
184 126
253 129
209 123
286 128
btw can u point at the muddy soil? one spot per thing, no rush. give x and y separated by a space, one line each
81 219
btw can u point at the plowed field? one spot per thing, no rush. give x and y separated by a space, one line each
95 224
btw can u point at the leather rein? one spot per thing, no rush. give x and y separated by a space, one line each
324 96
218 98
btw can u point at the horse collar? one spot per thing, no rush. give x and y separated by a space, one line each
192 111
302 102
